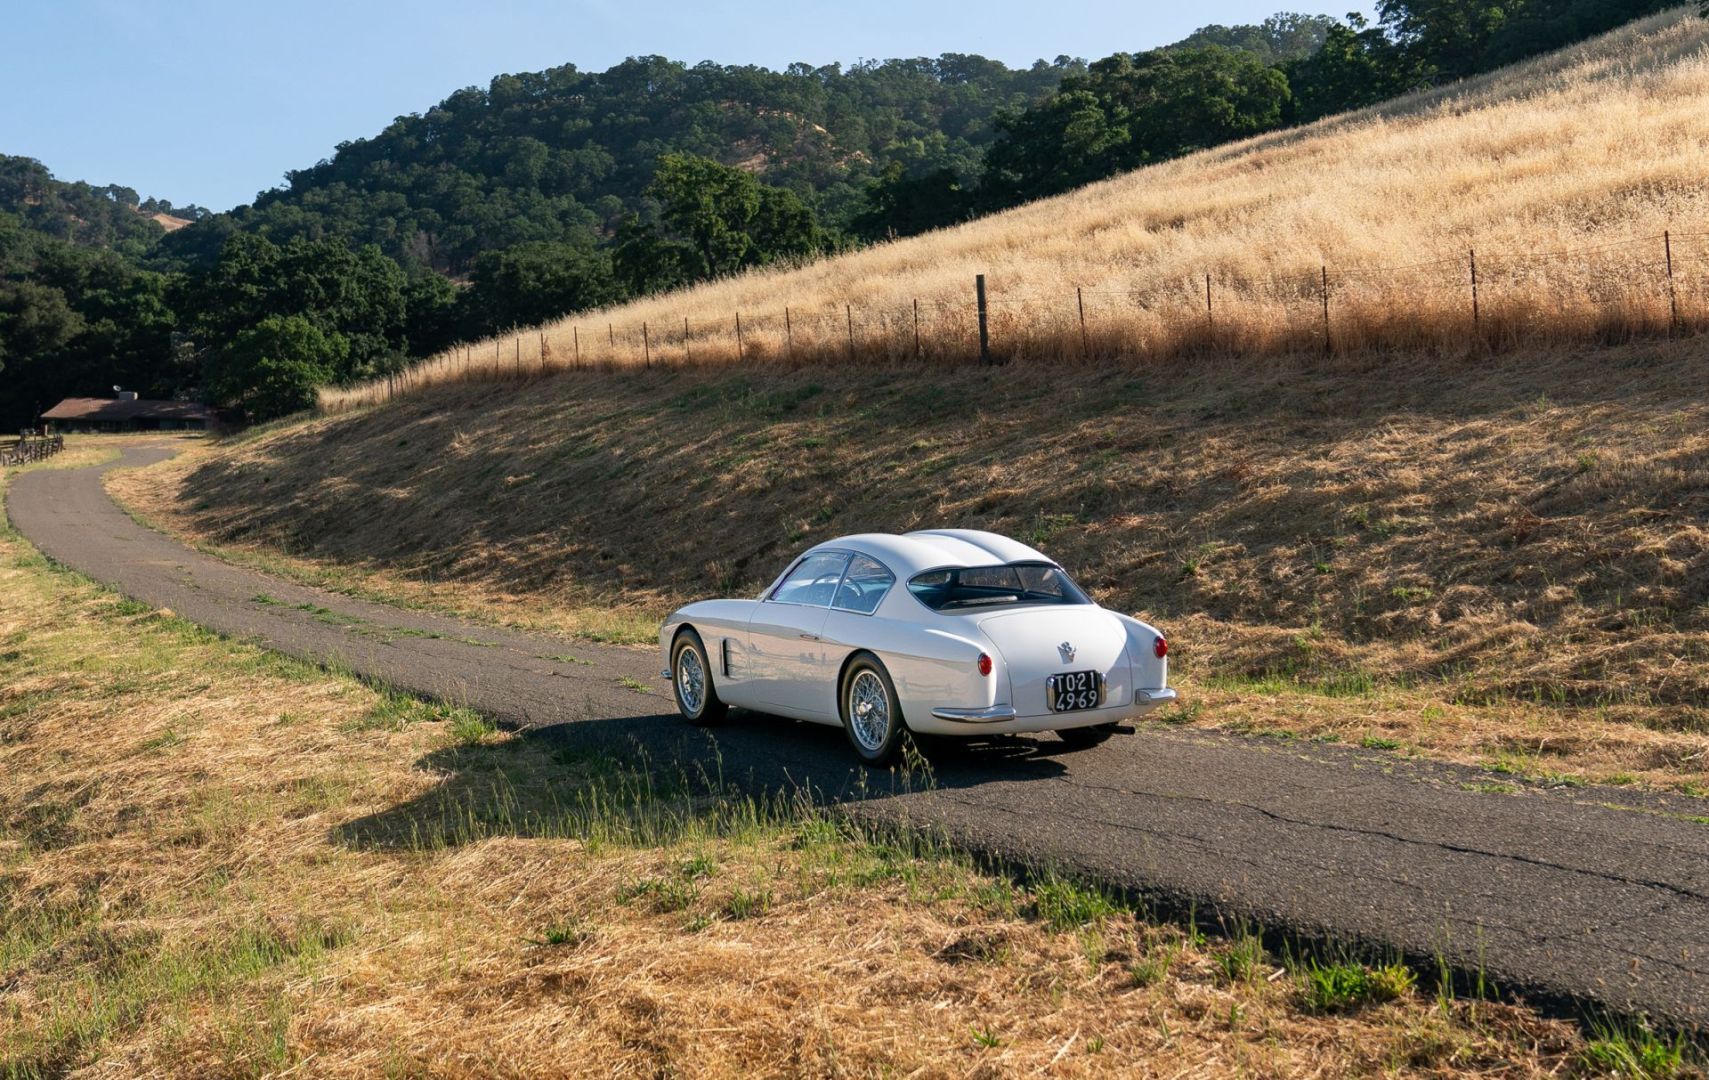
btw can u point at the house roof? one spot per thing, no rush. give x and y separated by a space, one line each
119 409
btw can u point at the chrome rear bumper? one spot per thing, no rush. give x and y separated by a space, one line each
992 714
1154 697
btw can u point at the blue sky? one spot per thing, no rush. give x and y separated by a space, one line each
210 101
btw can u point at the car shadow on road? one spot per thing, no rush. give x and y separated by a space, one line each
648 778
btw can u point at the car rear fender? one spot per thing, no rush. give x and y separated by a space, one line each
1150 672
936 667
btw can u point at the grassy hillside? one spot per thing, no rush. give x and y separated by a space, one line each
1481 557
1563 173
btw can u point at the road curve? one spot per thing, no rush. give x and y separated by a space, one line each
1586 898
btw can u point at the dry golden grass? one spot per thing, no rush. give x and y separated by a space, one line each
1563 173
215 861
1499 561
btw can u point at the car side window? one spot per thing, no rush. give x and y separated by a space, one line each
813 581
864 586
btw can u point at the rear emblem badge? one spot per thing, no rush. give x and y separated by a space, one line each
1067 651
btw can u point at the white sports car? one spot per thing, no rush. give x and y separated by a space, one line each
944 632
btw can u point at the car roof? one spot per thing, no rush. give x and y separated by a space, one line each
910 553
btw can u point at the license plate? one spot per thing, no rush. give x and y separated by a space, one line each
1075 690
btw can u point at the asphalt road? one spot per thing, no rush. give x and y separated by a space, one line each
1587 898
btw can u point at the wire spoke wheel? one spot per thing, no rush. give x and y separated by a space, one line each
869 710
690 680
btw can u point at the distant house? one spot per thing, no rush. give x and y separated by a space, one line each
126 412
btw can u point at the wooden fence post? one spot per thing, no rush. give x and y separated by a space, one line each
741 354
1085 342
916 328
1210 316
576 337
788 336
610 336
542 352
687 354
1326 341
1672 290
848 311
646 346
984 325
519 356
1477 314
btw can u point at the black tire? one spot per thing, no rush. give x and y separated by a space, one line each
866 677
687 654
1084 738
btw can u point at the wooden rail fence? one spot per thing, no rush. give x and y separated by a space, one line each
27 450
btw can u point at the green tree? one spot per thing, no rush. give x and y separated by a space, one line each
534 283
358 294
902 205
274 368
1358 65
1130 110
711 220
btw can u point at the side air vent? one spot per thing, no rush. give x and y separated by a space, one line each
724 656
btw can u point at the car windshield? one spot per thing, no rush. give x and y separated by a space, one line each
967 587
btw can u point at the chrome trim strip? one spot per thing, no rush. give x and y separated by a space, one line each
990 715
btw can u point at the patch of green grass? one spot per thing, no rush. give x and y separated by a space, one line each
701 865
986 1039
566 658
164 741
1065 905
745 904
661 894
629 682
470 728
143 975
1045 527
395 711
1379 742
1152 969
1635 1051
1241 960
565 934
1341 987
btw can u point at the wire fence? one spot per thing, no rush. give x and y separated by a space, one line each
1609 292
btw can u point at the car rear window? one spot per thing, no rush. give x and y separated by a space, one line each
968 588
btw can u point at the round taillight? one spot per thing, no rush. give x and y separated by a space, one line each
984 664
1160 647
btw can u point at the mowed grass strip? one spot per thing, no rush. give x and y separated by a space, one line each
217 861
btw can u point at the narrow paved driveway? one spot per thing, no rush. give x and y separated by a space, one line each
1590 896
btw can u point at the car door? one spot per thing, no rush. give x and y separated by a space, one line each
784 638
852 624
